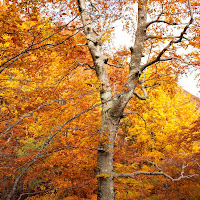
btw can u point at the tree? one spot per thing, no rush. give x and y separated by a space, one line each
150 38
113 106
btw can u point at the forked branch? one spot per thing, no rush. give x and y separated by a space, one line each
174 41
160 172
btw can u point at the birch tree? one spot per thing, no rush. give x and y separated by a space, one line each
113 105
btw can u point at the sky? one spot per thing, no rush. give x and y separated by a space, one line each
189 84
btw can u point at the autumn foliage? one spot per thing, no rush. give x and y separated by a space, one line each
51 113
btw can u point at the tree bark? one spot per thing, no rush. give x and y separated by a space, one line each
105 153
112 108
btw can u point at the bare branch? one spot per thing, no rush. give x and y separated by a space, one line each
142 85
34 193
158 57
139 96
161 173
160 21
31 113
191 12
174 41
114 65
91 67
165 38
29 48
53 45
198 63
139 115
179 59
147 86
94 7
154 164
7 141
14 33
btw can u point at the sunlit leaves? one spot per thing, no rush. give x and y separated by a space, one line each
163 140
47 78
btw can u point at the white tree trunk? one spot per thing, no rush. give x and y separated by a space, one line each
112 108
105 152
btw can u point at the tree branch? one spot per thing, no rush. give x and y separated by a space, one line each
114 65
43 148
180 38
134 174
160 21
97 55
29 48
138 115
147 86
139 96
31 113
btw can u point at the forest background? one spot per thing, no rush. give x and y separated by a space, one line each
82 119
